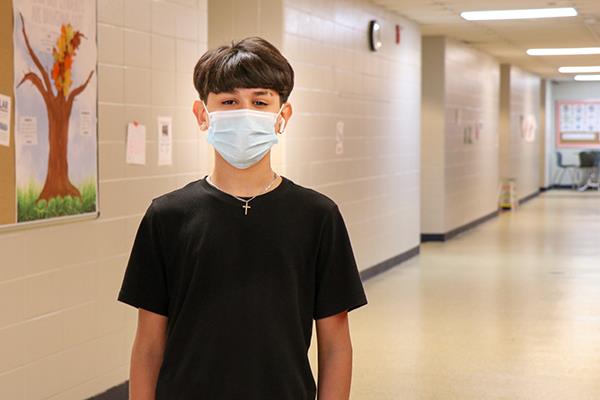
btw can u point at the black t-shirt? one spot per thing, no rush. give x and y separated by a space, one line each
240 291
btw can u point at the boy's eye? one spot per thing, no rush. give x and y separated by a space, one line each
228 102
260 103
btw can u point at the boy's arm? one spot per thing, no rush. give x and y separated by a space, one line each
334 357
147 354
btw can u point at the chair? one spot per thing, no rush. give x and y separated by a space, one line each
571 169
589 162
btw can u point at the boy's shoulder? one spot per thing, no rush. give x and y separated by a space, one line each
312 198
178 200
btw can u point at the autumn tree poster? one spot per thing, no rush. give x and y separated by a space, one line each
55 108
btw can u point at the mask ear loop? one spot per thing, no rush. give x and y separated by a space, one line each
283 122
207 113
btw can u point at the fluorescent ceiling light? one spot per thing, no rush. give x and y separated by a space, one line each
519 14
578 70
587 77
570 51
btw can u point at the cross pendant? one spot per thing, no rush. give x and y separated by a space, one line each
246 207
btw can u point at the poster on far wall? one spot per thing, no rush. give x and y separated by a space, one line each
528 127
55 88
577 123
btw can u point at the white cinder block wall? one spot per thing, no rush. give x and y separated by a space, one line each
519 158
63 335
376 98
433 135
460 94
472 102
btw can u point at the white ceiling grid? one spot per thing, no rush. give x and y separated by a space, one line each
508 40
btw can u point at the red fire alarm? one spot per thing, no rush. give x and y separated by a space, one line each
398 29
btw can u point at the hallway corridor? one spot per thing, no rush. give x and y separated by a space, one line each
509 310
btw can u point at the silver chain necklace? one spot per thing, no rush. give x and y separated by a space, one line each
245 206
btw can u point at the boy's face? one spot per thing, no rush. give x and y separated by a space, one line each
254 99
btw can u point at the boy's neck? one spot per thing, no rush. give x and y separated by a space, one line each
247 182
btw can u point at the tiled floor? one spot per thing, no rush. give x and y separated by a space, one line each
509 310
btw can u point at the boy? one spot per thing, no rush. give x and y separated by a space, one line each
229 271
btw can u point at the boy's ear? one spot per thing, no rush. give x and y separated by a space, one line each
284 119
200 113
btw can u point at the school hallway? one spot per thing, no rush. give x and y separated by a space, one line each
509 310
232 171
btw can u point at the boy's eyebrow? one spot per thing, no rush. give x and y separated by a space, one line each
258 92
262 92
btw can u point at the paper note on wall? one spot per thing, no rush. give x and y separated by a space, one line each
28 130
528 127
165 141
4 120
85 123
136 143
339 137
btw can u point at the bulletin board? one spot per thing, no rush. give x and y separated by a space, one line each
48 139
578 123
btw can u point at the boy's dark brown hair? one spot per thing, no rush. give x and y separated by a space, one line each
252 62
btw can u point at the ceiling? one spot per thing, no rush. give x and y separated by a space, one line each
508 40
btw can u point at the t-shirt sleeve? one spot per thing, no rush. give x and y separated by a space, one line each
338 283
144 282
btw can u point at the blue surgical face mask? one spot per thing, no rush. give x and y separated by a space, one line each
242 137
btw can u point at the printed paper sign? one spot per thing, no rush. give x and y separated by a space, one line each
339 138
85 123
28 130
136 144
4 120
165 141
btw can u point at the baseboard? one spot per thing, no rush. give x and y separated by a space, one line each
389 263
442 237
529 197
433 237
561 187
